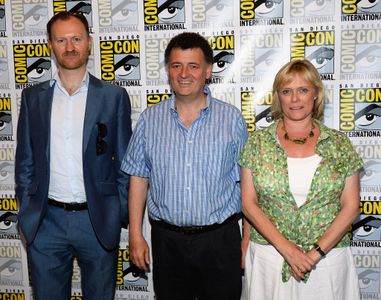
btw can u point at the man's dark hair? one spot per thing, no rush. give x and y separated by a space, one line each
64 16
189 40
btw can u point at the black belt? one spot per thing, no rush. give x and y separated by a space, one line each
195 229
68 206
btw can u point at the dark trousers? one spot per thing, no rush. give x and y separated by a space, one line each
62 236
202 266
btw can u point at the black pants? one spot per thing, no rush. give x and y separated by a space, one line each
202 266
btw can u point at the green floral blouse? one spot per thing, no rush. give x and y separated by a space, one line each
267 160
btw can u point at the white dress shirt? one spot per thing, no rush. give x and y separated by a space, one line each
66 140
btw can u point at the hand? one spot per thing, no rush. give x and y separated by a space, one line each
314 255
140 253
298 261
244 246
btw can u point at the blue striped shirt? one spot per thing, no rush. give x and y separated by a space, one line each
193 172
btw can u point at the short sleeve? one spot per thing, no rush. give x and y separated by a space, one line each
352 161
242 132
134 162
247 158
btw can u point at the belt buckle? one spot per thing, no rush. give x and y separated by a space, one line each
196 229
71 206
190 229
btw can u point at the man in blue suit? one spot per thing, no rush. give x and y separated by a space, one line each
72 134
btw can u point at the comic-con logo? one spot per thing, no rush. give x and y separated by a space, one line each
7 162
261 55
223 57
156 96
130 277
256 108
8 218
120 61
76 276
4 77
225 92
352 10
261 12
11 264
164 14
12 294
154 60
368 271
6 126
211 13
360 56
136 106
311 8
366 229
370 174
263 113
360 109
2 19
248 108
29 17
316 46
116 15
328 115
32 63
76 6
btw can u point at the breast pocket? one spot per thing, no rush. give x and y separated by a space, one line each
217 157
104 137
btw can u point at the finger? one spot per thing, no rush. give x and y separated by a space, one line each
307 266
295 272
295 275
309 261
147 258
300 274
140 263
132 258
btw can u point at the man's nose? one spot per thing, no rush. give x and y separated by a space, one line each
69 45
184 71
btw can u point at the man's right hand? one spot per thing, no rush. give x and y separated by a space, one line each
140 253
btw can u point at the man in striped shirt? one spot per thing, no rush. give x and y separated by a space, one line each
182 159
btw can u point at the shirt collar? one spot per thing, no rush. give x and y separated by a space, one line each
172 102
56 79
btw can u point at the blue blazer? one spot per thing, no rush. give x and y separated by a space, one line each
106 185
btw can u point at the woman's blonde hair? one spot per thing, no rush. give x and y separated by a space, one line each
286 74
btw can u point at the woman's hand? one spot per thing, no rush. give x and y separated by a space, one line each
245 240
244 246
299 261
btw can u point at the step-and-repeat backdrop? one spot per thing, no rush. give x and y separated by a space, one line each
251 40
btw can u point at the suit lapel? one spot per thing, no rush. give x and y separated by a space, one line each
45 100
93 108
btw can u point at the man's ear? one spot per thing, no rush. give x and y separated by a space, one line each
209 70
90 43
